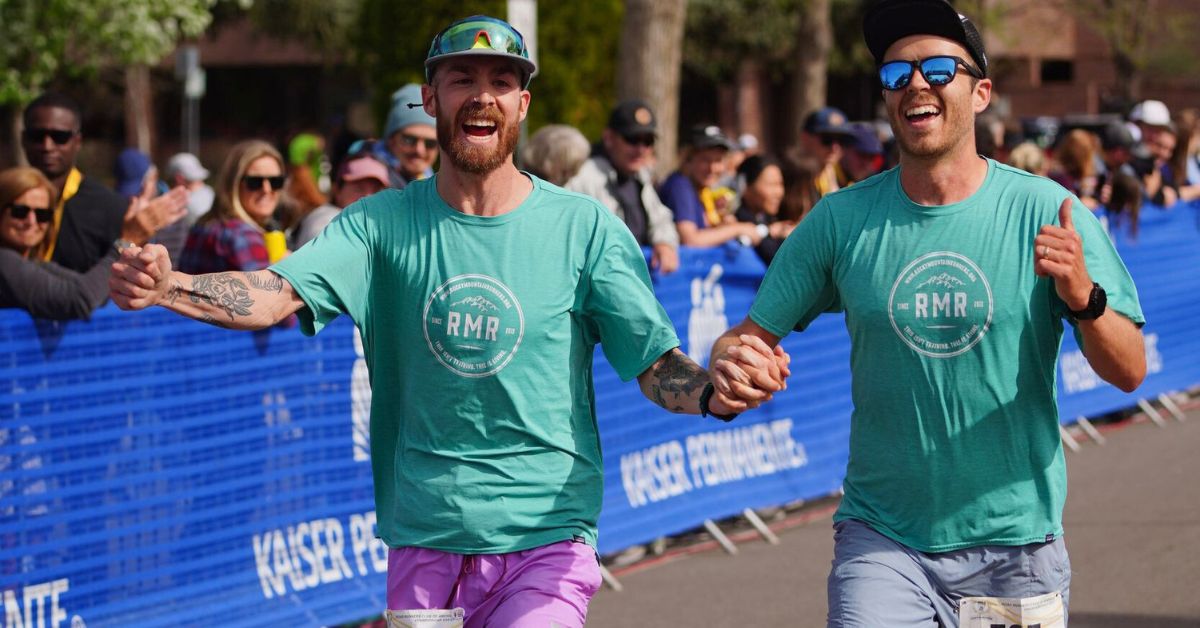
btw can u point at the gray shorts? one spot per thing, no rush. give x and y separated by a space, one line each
876 581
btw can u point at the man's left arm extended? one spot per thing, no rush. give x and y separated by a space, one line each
676 383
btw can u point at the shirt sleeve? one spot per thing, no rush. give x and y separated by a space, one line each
331 273
47 290
799 284
618 301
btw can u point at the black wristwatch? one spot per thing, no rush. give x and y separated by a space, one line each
1097 302
707 394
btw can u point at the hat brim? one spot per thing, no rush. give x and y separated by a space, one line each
528 67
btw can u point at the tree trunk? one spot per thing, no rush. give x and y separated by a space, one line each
15 125
648 68
813 41
750 107
139 122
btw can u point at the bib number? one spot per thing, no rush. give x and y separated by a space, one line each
1043 611
425 618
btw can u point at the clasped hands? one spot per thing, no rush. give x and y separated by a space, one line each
747 375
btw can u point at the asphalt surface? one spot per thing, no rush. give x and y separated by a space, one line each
1132 529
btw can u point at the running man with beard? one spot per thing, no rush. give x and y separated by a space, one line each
480 294
955 274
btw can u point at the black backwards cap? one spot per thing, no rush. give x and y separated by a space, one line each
888 21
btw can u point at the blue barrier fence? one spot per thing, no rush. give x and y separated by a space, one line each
156 471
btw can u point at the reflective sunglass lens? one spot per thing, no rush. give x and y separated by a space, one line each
939 70
895 75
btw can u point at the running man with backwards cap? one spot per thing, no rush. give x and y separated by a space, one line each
955 274
480 294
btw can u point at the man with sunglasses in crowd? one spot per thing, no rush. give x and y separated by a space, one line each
955 274
618 174
409 138
87 215
480 295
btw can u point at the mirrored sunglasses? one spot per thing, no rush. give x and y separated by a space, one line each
479 33
938 71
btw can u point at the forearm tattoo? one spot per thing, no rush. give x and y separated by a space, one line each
266 280
676 379
174 292
223 291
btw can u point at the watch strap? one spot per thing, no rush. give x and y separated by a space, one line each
705 396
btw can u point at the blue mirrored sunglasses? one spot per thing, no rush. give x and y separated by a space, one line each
939 70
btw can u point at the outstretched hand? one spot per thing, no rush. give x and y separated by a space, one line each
146 216
748 375
1058 254
140 278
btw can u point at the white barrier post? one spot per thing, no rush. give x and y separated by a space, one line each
1169 404
720 537
1067 439
761 526
1152 413
1090 430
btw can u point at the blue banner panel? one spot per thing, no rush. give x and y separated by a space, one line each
156 472
159 472
1164 260
665 473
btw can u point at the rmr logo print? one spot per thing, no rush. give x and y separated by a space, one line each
941 304
473 325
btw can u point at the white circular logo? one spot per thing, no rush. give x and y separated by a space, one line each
941 304
473 325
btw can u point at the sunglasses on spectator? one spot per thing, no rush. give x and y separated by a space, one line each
410 141
830 140
255 182
37 136
19 212
938 71
639 140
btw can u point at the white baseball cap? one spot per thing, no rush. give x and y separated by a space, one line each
187 165
1152 112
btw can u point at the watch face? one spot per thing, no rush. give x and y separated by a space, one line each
1097 302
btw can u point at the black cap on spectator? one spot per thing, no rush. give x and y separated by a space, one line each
708 136
888 21
633 118
1116 135
827 121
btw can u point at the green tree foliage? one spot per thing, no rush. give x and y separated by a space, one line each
43 39
721 33
577 55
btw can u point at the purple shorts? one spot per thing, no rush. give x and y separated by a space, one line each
545 586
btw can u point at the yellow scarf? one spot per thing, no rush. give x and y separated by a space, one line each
74 178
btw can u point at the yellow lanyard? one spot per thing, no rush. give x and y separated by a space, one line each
74 178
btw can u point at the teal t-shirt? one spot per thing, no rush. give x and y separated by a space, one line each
954 340
479 334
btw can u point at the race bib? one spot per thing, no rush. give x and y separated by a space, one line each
1043 611
425 618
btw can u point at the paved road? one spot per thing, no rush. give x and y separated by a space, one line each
1133 530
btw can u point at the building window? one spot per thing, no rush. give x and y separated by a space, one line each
1058 70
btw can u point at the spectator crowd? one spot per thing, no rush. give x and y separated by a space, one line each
61 228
